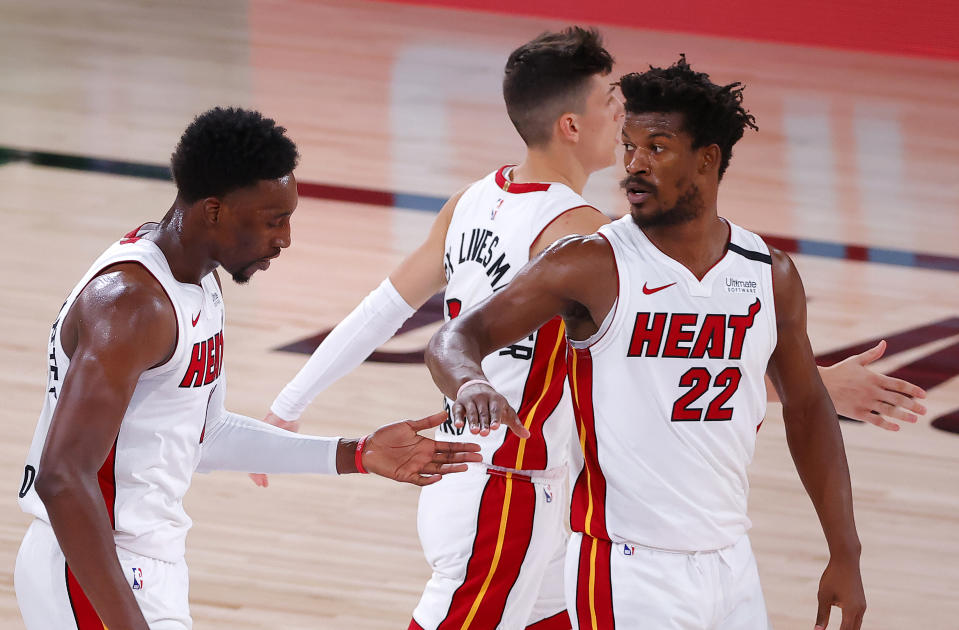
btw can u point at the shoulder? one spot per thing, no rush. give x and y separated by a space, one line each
788 291
578 249
126 292
446 212
783 269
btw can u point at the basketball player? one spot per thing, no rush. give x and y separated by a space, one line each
673 315
136 390
557 96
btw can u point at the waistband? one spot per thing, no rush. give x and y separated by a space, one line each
550 474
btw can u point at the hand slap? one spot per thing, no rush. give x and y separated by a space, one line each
484 410
398 452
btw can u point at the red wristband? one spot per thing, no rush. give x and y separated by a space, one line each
358 458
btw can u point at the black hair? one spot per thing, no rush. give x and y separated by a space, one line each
547 76
225 149
712 114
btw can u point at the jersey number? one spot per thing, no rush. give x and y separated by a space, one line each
698 379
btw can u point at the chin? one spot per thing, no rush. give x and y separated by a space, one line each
243 275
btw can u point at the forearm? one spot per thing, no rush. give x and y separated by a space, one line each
815 442
453 358
243 444
82 526
372 323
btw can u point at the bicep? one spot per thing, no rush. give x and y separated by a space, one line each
111 354
792 366
568 275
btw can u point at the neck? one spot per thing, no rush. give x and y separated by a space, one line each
698 244
549 165
189 260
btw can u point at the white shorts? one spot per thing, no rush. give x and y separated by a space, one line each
497 544
611 585
50 597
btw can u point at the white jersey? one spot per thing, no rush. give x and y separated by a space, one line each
669 394
492 228
148 471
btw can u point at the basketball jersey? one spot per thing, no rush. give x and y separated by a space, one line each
487 243
149 468
669 394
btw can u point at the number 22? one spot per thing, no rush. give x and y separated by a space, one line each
698 379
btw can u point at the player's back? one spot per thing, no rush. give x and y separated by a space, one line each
669 393
157 449
488 240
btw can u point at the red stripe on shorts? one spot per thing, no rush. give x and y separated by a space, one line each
559 621
86 617
541 395
503 532
594 591
414 626
588 504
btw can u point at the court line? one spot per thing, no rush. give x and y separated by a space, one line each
414 201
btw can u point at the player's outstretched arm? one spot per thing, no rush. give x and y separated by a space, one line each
368 326
104 335
816 445
235 442
575 278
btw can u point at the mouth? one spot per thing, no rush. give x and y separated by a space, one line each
637 194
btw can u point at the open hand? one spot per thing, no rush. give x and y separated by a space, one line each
841 585
398 452
485 409
261 479
862 394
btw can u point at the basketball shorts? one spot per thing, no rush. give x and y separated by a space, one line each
611 585
50 597
496 543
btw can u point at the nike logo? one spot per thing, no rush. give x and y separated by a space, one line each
197 318
649 291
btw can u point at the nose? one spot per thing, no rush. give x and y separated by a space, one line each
637 161
284 239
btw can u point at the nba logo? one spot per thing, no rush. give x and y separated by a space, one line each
137 579
548 491
628 550
492 214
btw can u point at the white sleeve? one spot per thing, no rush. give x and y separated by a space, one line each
235 442
370 325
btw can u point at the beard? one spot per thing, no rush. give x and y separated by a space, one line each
689 206
243 274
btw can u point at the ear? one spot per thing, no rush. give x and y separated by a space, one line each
211 210
568 127
710 159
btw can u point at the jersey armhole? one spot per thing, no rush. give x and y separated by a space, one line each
607 324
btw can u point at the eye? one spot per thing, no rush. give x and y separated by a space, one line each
629 146
658 148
